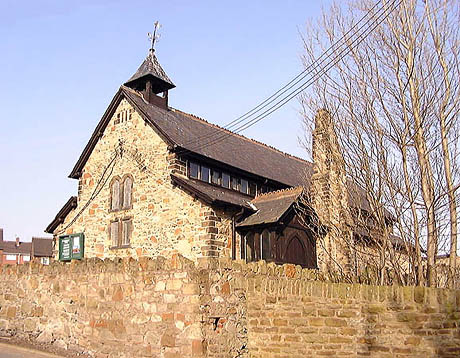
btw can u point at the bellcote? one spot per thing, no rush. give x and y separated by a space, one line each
151 80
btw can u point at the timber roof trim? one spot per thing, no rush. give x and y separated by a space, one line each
62 214
210 194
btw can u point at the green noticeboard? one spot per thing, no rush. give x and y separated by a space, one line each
71 247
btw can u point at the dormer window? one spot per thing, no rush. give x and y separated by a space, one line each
222 179
244 186
235 183
205 174
252 189
226 180
215 177
194 170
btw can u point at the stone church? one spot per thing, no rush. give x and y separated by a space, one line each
156 181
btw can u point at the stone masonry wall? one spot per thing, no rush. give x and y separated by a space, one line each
166 219
121 308
221 308
261 310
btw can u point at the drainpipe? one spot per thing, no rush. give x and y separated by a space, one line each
234 218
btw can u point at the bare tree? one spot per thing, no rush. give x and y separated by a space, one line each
394 100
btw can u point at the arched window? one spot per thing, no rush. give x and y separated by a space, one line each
121 193
127 192
115 195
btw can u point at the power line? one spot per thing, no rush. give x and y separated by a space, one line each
98 188
303 86
319 61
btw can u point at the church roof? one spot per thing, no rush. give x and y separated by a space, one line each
151 68
181 130
235 150
272 206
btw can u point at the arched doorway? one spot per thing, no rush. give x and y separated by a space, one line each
295 252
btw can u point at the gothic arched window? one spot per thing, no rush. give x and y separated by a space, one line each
127 192
115 194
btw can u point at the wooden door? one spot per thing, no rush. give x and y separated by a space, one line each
295 252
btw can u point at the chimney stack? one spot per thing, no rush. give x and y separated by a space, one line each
329 188
17 241
1 235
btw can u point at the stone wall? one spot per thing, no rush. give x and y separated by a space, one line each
121 308
284 311
222 308
166 220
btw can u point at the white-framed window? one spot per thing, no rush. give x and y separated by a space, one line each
10 257
26 258
45 260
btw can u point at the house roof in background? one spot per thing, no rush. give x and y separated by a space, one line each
42 247
9 247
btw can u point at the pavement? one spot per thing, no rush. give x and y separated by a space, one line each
11 351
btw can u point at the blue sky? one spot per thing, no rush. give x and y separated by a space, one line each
62 61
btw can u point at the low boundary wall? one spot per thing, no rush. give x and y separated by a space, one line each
221 308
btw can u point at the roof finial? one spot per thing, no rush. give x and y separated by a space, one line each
155 36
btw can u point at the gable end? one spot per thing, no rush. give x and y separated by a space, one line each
121 94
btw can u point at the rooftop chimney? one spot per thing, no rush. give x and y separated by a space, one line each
17 241
1 235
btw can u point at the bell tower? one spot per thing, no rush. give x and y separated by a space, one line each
150 79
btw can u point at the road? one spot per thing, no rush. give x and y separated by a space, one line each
10 351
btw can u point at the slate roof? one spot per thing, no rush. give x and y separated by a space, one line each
271 206
42 247
150 67
212 194
180 130
183 129
9 247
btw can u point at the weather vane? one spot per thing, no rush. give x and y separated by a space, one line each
155 36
